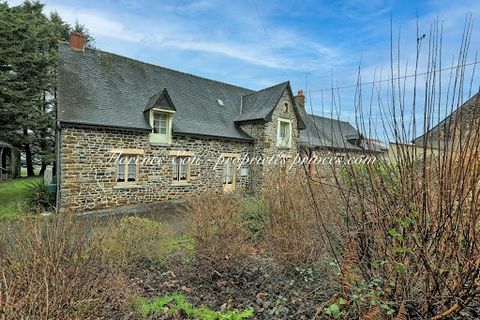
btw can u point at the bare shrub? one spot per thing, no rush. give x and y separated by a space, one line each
219 236
136 239
413 220
294 235
50 269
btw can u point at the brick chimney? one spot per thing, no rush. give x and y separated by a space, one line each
77 41
300 100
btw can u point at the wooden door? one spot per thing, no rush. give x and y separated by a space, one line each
228 175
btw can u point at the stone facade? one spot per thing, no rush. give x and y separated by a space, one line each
88 171
265 135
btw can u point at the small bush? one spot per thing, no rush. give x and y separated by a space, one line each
38 199
178 305
254 212
217 230
135 239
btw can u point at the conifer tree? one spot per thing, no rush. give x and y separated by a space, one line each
28 61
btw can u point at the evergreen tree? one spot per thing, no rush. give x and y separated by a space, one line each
28 61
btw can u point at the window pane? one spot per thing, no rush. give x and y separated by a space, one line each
121 169
180 169
228 172
284 133
132 169
183 169
282 130
160 123
175 169
287 133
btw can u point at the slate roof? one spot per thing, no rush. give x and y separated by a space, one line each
161 100
466 113
103 89
98 88
253 103
322 132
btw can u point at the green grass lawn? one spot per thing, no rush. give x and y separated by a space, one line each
13 194
23 171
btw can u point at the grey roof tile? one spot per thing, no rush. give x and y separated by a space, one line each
104 89
465 114
161 100
259 105
322 132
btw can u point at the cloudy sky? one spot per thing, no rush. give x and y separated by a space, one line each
256 43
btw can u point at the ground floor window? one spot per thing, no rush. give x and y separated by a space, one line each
181 169
127 168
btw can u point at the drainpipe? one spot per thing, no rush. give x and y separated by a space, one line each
57 169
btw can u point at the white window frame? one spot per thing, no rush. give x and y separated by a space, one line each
125 165
177 169
157 126
161 138
280 142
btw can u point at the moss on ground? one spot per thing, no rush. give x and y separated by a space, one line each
177 303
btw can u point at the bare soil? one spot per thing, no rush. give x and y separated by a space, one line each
273 293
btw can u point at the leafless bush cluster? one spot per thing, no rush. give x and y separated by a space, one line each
135 240
217 230
52 270
293 236
280 223
413 246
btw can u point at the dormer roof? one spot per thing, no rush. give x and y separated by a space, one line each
160 100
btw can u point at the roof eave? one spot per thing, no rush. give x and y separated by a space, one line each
101 126
213 136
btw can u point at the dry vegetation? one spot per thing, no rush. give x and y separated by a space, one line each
256 251
381 241
413 248
52 270
362 250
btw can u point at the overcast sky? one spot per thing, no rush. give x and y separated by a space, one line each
256 44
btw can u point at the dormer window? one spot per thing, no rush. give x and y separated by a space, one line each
160 110
161 122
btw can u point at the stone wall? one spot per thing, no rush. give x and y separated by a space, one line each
88 178
265 135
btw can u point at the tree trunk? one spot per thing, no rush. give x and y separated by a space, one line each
28 155
1 164
43 168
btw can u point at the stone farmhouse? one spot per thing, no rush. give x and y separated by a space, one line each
132 133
